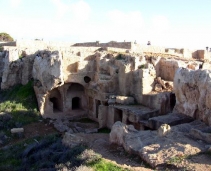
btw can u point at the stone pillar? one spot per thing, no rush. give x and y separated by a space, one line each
110 117
124 116
102 116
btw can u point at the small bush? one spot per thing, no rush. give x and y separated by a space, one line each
103 165
176 159
90 156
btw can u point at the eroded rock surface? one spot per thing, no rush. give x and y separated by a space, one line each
154 149
193 93
47 69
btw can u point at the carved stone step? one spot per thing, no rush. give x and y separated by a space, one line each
171 119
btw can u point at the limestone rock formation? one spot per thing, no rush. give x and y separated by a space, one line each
15 70
192 90
47 68
107 82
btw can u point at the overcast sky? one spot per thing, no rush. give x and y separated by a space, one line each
169 23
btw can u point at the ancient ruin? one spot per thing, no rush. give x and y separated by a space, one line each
138 85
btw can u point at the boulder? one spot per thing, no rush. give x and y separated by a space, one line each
164 129
193 93
60 126
17 130
72 140
154 149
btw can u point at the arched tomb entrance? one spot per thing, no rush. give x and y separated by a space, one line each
55 99
76 103
76 99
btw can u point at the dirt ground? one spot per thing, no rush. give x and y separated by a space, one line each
99 142
34 130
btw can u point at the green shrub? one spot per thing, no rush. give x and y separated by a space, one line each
89 156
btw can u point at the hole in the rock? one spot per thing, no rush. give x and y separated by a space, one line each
129 122
76 103
167 85
56 106
172 100
117 115
105 103
87 79
200 66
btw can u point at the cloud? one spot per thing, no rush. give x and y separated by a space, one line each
79 10
61 8
15 3
160 23
124 25
76 21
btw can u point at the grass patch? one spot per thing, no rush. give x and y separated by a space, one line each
103 165
18 107
20 119
21 103
177 159
20 97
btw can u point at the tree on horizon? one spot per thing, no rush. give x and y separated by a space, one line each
5 37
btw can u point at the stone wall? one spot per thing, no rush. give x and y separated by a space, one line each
8 43
123 45
203 55
145 48
167 67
